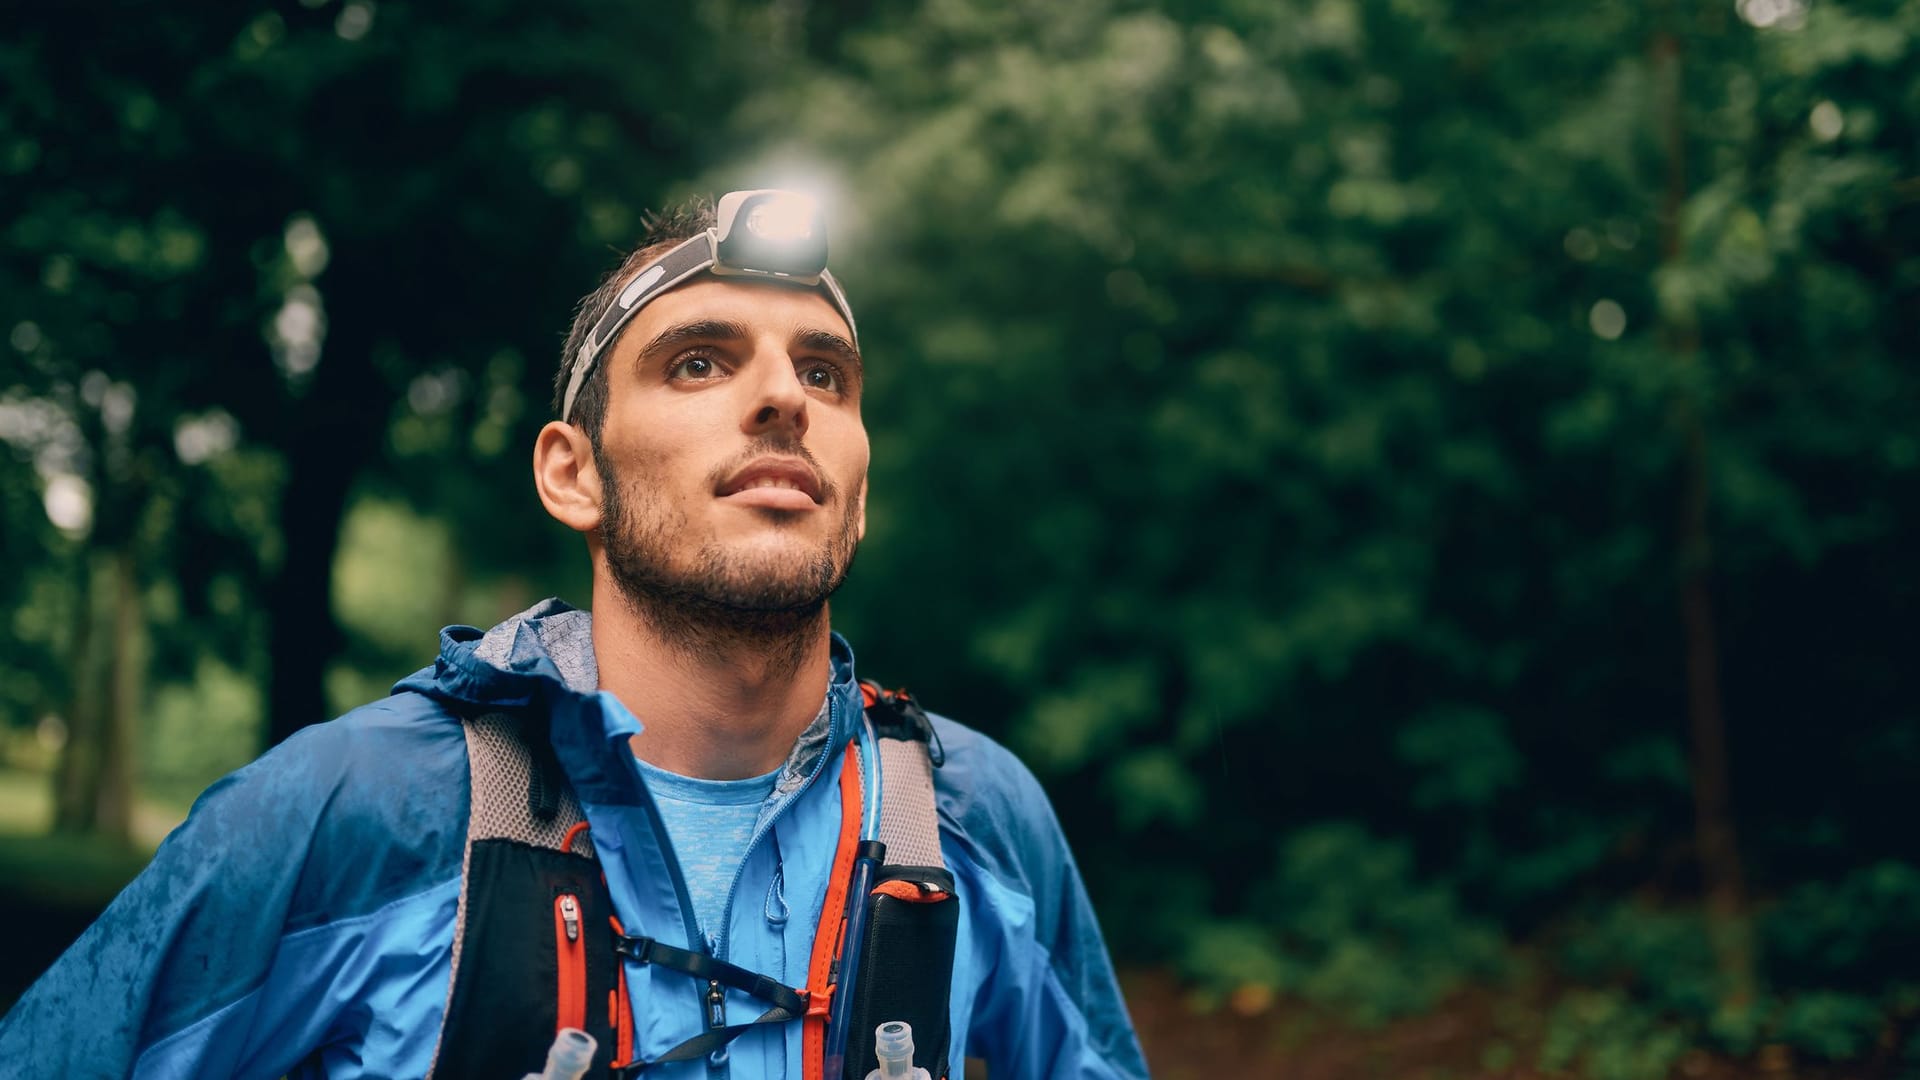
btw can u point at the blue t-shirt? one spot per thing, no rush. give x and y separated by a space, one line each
709 823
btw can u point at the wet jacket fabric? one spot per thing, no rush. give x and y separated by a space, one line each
300 922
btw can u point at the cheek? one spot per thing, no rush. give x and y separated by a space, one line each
850 454
663 447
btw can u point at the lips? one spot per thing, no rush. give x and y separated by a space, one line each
774 481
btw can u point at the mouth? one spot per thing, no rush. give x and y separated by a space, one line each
774 483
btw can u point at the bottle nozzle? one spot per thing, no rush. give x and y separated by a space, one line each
570 1056
893 1046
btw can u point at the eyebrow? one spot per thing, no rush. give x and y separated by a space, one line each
689 332
831 343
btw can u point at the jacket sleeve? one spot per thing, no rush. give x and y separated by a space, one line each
1047 1004
225 956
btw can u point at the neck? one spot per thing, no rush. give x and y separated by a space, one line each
722 694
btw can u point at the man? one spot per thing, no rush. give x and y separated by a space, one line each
324 911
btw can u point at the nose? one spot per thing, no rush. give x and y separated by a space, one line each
778 401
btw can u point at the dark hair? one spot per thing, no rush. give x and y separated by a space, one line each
664 229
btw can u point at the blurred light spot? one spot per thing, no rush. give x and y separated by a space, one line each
260 35
116 407
177 247
24 423
1581 243
1608 320
298 329
44 428
25 337
69 503
51 733
129 244
306 246
139 112
609 220
1467 361
1251 999
201 438
562 176
93 387
1623 233
1827 121
355 19
434 392
58 273
1773 14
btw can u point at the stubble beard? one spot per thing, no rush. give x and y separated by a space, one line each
716 599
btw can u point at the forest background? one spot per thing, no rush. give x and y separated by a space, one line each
1430 487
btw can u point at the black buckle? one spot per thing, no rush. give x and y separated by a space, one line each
637 949
896 715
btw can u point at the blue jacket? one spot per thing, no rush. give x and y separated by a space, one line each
301 921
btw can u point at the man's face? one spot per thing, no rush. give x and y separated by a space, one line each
733 458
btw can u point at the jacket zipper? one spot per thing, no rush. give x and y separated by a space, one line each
717 945
766 825
571 947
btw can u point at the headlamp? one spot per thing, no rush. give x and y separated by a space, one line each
766 234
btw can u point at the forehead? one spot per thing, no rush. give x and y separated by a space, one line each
758 305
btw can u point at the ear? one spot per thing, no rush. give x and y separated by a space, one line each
565 476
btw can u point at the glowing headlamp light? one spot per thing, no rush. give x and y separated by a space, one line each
767 235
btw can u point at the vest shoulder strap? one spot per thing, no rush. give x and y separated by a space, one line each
909 750
532 940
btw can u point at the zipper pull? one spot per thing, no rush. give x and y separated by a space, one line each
570 915
716 1005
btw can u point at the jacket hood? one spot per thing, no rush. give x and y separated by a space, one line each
545 655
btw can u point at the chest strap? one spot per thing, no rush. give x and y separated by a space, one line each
788 1003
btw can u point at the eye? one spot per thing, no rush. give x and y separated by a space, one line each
821 375
694 367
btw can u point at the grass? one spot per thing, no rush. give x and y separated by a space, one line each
26 803
69 870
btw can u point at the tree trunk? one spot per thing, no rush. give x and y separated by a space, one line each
94 782
126 671
339 426
1722 874
77 778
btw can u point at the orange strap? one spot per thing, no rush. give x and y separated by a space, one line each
833 923
621 1005
910 892
566 844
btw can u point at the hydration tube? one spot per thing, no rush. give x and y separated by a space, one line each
870 776
866 864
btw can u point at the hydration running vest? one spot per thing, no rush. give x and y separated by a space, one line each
537 946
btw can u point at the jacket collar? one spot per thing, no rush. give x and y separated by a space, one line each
544 657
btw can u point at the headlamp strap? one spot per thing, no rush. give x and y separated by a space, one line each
694 255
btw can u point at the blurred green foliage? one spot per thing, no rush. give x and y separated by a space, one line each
1281 417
